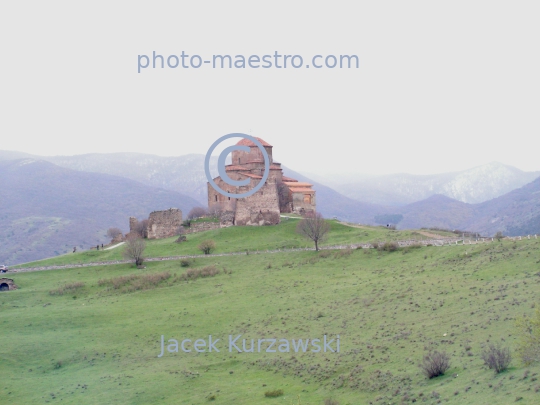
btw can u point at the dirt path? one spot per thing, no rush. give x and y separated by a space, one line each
432 235
427 234
431 242
115 246
354 225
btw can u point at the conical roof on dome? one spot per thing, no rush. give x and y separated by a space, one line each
247 142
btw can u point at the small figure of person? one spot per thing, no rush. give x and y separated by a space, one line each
102 246
97 247
74 249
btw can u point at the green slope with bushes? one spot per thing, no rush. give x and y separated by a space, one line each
92 335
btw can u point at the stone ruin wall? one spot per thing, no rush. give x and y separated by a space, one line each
201 227
161 224
133 222
164 224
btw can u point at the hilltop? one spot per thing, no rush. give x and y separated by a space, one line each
147 183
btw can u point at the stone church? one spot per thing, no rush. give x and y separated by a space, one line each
279 194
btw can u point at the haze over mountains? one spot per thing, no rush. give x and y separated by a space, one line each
51 204
472 186
46 210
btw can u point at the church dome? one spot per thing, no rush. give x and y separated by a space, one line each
247 142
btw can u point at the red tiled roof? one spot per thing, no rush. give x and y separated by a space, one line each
297 184
247 142
235 167
301 190
288 179
274 167
253 176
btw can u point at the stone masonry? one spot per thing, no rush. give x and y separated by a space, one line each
161 224
263 207
7 284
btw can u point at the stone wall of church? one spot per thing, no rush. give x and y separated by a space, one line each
261 208
301 206
240 157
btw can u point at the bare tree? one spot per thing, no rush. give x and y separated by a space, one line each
197 212
207 246
215 210
113 233
134 248
314 227
181 232
141 228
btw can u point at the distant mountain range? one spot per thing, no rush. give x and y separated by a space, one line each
184 174
46 210
515 213
472 186
50 204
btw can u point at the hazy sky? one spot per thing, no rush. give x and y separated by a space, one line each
441 86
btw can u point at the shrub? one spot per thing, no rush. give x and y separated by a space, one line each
324 254
193 274
135 282
207 246
529 338
67 288
499 235
181 238
274 393
342 253
114 233
197 212
329 401
185 262
497 358
435 364
389 246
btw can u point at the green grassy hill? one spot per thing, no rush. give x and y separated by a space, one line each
92 335
240 239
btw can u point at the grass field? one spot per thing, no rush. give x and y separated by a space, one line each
239 239
69 336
